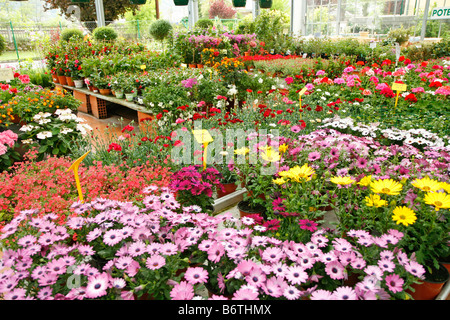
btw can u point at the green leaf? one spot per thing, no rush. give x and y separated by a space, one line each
43 149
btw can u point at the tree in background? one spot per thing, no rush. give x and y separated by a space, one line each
221 9
112 9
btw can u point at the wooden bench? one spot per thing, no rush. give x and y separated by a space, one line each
96 104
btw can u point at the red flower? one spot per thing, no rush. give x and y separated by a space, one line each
128 128
411 97
249 90
436 84
115 147
402 58
159 116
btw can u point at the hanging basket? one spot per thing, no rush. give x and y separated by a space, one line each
181 2
138 1
265 4
239 3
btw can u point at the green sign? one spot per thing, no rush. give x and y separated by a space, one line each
440 13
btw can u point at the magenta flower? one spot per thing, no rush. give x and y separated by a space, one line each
394 283
309 225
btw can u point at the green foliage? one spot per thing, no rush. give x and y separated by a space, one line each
105 34
399 35
2 44
67 34
160 29
442 48
204 23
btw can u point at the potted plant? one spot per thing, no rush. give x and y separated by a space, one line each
194 185
239 3
181 2
229 180
265 4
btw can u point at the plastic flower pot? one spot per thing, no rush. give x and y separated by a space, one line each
265 4
239 3
119 94
78 83
181 2
129 96
430 288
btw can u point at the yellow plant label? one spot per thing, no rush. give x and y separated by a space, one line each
399 87
202 136
302 92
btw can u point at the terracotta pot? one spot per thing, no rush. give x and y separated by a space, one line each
229 188
55 78
245 210
192 65
105 92
430 288
445 261
199 66
62 80
70 82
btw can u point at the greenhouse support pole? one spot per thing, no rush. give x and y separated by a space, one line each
138 29
14 39
255 9
338 18
100 13
193 12
424 21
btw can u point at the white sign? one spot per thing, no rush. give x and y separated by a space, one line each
373 45
440 13
6 74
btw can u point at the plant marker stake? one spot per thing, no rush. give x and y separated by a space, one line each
74 167
203 137
300 100
399 87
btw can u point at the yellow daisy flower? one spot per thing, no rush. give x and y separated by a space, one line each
342 180
427 184
279 181
374 200
298 173
439 200
242 151
386 186
365 181
283 148
270 156
404 215
445 186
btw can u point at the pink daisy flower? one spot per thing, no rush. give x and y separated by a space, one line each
272 255
394 283
322 295
296 275
182 291
195 275
335 270
345 293
309 225
245 294
97 286
155 262
291 293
